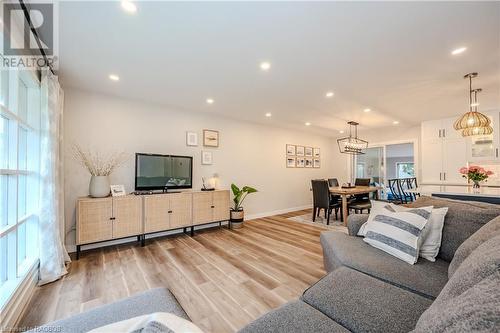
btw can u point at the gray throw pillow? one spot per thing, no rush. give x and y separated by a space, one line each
488 231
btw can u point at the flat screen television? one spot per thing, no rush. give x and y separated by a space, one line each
162 172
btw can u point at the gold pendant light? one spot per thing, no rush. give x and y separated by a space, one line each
473 122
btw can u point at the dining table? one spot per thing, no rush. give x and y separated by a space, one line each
346 192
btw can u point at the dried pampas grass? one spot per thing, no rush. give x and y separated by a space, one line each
96 164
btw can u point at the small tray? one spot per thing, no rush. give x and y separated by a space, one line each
345 186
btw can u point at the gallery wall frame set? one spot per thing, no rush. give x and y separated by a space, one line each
298 156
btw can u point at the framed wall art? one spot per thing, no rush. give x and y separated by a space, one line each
210 138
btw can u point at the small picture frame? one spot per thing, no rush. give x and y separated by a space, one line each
192 139
210 138
291 161
317 163
300 162
300 150
316 153
291 150
118 190
308 162
308 152
206 158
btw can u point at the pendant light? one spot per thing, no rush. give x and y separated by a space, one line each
478 130
473 120
352 144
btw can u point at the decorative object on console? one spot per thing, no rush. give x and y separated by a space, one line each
209 186
206 158
237 213
118 190
210 138
473 122
475 174
291 150
290 161
352 144
99 168
192 139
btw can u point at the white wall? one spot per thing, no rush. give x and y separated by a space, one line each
249 154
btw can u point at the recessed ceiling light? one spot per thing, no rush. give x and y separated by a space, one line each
329 94
265 66
114 77
210 101
459 50
308 124
268 114
367 110
129 6
395 122
341 132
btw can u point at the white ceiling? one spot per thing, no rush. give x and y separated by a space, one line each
393 58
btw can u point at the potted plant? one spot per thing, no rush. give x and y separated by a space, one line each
99 168
476 174
237 213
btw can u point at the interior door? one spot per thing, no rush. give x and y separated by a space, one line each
221 205
180 209
156 216
202 207
127 212
94 222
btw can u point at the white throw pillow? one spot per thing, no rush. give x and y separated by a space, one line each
398 233
378 207
431 237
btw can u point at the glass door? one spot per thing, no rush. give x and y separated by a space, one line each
371 165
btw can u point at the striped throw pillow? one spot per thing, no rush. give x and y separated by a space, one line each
398 233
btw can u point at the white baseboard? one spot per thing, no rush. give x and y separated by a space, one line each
17 305
72 248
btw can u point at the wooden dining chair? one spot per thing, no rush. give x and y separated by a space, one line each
322 200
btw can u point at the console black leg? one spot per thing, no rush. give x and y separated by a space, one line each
139 238
185 230
192 231
143 240
77 252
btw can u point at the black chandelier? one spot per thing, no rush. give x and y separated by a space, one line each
352 144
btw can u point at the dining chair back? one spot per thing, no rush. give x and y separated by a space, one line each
395 188
321 193
362 182
333 182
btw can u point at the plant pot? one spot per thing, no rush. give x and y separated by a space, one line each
237 217
99 186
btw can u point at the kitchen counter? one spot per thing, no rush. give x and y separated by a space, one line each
461 192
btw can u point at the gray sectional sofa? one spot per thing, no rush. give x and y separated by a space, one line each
367 290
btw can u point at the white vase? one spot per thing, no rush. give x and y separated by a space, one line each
99 186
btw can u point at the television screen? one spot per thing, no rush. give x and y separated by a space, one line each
157 172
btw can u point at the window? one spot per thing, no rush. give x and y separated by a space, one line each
19 177
405 170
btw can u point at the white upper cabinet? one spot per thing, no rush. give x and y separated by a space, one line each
485 148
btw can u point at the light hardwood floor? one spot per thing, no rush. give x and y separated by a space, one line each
222 278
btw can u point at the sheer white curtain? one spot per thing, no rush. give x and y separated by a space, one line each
53 255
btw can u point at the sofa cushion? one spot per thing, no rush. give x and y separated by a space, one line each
471 299
294 317
488 231
354 223
425 277
155 300
362 303
462 220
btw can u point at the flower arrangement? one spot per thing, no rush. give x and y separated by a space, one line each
96 164
475 173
